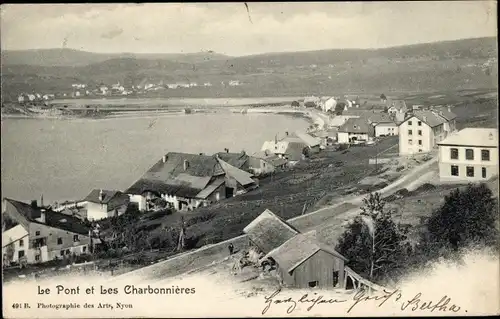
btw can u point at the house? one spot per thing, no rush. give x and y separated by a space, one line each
265 162
421 131
397 108
50 234
102 204
354 130
387 128
448 115
311 101
469 155
301 260
328 104
313 143
289 148
188 181
16 240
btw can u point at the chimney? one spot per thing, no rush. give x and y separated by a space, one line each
42 216
34 204
164 159
101 195
41 200
449 108
227 150
186 165
243 152
425 118
286 133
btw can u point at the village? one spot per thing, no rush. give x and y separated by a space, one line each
399 146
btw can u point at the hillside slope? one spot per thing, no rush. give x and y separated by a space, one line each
450 65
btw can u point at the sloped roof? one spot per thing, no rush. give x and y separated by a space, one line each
471 136
308 139
93 197
443 112
13 234
270 157
242 177
207 191
356 125
52 218
162 174
428 117
235 159
298 249
269 231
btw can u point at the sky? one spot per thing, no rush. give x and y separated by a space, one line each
231 29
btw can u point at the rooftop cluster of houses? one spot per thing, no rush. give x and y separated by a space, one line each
24 98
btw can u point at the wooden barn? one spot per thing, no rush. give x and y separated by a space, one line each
301 260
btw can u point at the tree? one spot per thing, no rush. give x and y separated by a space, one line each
386 109
467 217
339 108
374 244
295 104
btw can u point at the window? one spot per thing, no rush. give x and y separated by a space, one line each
84 249
37 258
469 154
20 254
419 123
469 171
67 252
75 238
62 252
485 155
420 132
313 284
37 233
21 242
409 122
410 142
483 172
419 142
59 241
454 153
454 170
410 132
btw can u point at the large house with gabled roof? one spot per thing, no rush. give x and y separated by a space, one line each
188 181
42 234
422 130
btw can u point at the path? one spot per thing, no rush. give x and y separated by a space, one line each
215 253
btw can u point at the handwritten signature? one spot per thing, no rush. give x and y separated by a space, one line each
413 304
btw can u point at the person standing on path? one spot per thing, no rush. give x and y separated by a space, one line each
231 248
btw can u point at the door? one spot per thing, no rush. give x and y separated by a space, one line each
229 192
335 278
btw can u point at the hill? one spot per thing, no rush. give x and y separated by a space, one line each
449 65
71 58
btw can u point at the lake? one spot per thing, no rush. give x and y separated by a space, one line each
66 159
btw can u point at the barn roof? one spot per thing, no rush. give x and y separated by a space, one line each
242 177
52 218
428 117
308 139
234 159
164 175
298 249
356 125
269 231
